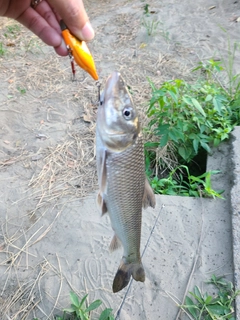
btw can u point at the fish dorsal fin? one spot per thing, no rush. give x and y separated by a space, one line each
115 243
148 196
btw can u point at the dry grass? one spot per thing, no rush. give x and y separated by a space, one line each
67 169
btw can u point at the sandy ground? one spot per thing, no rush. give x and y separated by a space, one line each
49 242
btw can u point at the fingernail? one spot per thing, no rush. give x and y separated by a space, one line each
62 49
87 32
63 45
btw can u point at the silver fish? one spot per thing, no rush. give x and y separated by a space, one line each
124 189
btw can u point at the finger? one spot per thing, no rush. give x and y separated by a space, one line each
44 9
75 17
38 25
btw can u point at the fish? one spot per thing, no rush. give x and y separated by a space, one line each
123 186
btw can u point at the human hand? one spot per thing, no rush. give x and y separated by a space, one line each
44 19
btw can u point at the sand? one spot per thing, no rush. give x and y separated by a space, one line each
52 238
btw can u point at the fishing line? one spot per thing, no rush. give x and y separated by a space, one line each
146 245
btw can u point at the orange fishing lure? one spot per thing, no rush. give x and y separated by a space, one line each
79 52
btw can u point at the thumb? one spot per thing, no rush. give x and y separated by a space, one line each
75 17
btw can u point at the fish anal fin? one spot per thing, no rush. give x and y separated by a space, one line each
124 273
148 196
102 204
115 243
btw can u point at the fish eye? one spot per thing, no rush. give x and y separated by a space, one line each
127 113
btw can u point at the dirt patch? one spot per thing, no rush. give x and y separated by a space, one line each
47 128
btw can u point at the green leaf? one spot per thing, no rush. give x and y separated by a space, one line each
198 294
82 301
218 310
163 129
173 96
152 85
182 152
217 105
208 98
94 305
192 308
74 299
151 144
198 107
208 300
187 100
164 140
195 145
106 314
216 142
205 146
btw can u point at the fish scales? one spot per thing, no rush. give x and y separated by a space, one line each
126 179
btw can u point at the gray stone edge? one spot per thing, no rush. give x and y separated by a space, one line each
235 208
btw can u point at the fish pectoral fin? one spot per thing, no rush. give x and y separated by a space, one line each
102 180
102 174
115 243
101 203
124 273
148 196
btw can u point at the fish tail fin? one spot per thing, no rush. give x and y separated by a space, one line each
124 273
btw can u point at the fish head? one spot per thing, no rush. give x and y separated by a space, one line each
117 120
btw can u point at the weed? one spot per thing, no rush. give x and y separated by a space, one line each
178 183
233 79
151 25
210 68
193 116
33 46
146 9
207 307
2 50
79 311
15 28
21 90
12 31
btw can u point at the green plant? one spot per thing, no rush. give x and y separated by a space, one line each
14 29
2 50
151 25
181 182
192 116
208 307
233 79
79 311
210 68
21 90
146 8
